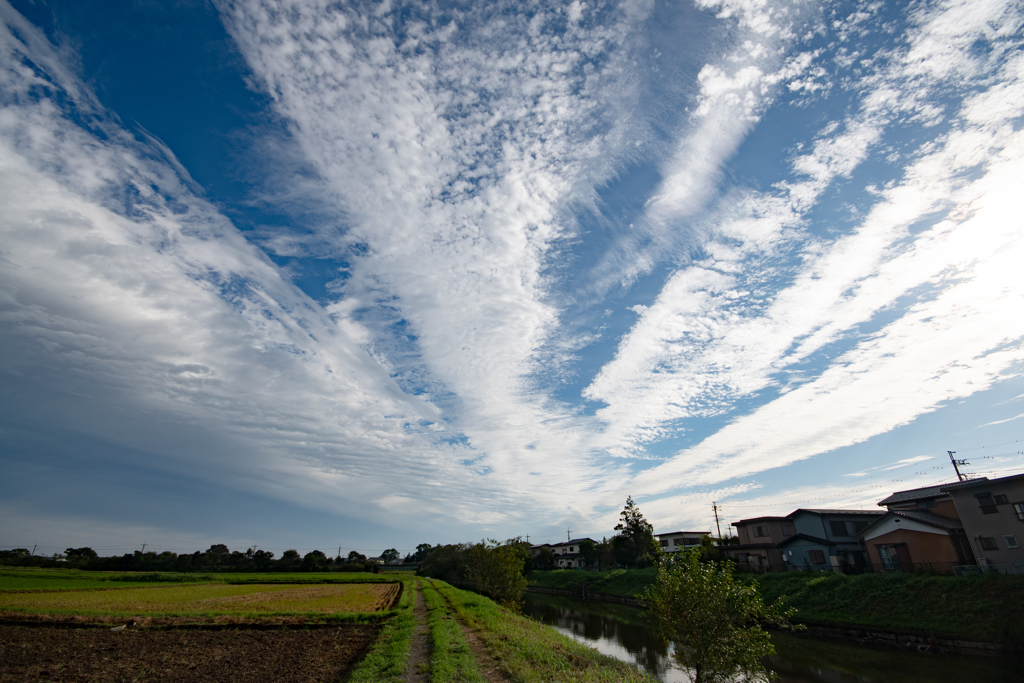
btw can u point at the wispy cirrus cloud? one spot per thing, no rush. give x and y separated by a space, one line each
724 329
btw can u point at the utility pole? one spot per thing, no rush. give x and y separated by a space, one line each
339 552
144 547
527 538
956 465
34 550
568 531
714 506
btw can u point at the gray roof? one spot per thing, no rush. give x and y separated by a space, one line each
922 516
925 492
760 519
819 511
982 481
671 533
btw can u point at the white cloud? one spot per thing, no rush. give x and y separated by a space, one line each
723 329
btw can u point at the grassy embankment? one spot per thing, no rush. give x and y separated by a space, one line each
986 608
528 651
625 582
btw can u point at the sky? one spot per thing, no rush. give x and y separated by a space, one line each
357 275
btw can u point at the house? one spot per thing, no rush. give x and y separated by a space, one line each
674 541
566 554
824 539
921 529
759 538
992 514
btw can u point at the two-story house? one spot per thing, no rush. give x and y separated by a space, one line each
992 514
674 541
921 529
758 547
827 539
566 554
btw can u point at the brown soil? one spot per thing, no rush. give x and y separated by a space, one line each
66 652
418 669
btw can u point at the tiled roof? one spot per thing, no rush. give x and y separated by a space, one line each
696 533
838 512
930 518
920 516
806 537
925 492
761 519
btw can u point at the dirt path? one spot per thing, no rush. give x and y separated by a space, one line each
418 669
486 662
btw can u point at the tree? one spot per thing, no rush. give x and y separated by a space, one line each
590 554
80 554
497 569
635 545
713 622
314 560
389 556
544 559
354 556
290 556
421 552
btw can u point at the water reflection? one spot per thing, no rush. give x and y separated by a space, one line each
623 632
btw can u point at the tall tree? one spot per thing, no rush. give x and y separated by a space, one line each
635 544
390 555
713 622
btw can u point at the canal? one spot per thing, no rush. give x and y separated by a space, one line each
623 632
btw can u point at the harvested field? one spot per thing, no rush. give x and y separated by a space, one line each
211 599
32 652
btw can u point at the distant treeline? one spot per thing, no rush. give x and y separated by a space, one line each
217 558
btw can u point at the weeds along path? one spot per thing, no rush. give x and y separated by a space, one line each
418 666
388 659
456 654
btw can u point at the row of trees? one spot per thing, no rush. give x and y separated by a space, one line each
217 558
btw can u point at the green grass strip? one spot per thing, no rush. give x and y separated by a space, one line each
530 652
388 657
451 660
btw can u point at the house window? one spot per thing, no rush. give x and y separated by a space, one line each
1011 541
988 543
859 527
839 529
691 541
988 506
571 549
663 544
787 529
1001 500
926 503
761 531
888 556
816 556
1019 509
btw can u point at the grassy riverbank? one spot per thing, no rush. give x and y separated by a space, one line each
530 652
975 607
986 608
626 582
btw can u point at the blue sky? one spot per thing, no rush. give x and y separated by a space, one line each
366 275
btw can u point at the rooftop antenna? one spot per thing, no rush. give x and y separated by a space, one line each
956 465
714 506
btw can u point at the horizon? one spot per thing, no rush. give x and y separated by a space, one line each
300 274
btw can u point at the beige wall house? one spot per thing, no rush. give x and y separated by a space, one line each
992 513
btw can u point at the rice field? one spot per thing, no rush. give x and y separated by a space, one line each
208 599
